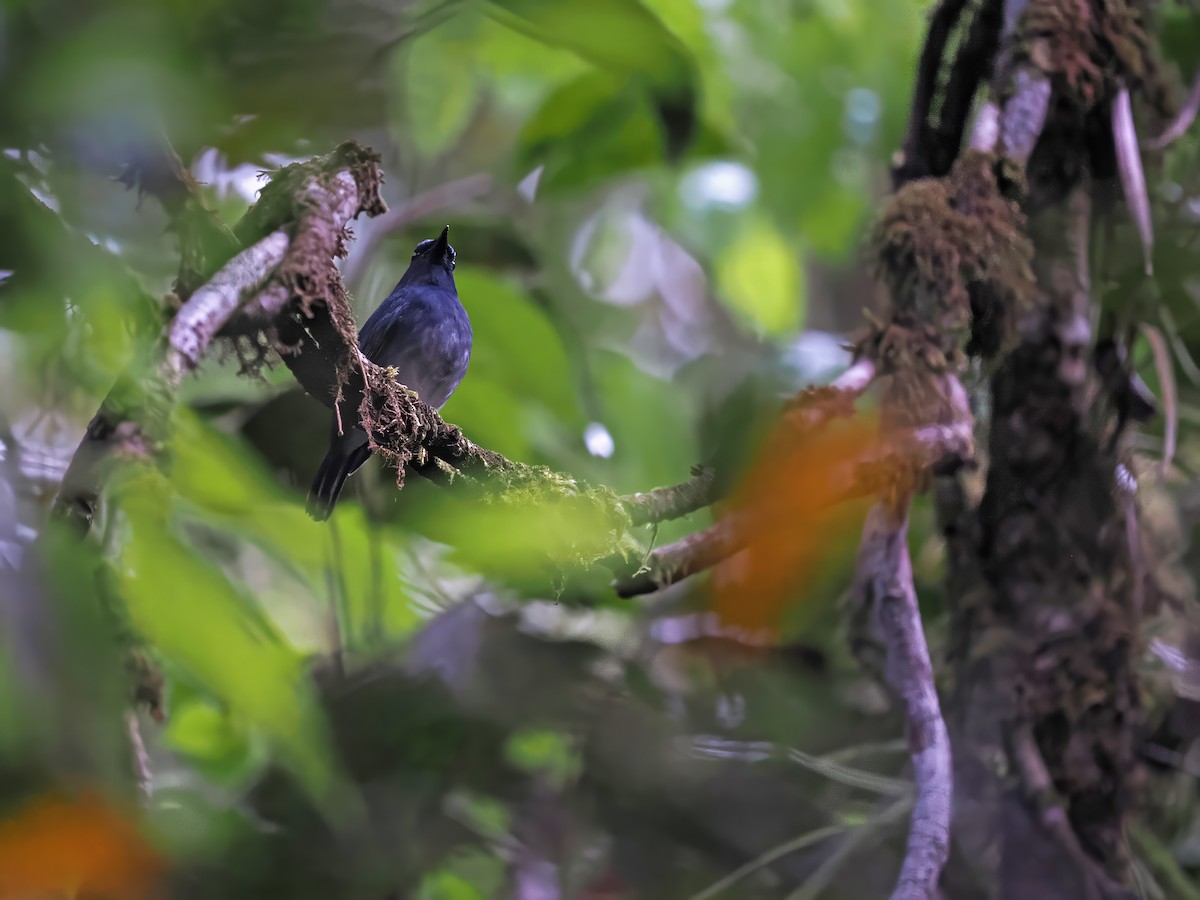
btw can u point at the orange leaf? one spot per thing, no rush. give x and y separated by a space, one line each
59 844
790 511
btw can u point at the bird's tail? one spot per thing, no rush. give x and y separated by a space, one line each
337 466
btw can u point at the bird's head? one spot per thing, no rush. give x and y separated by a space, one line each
435 253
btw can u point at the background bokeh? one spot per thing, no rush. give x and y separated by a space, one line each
634 314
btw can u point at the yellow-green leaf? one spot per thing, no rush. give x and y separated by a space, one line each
760 277
439 92
190 613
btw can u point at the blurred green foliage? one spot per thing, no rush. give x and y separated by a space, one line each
678 190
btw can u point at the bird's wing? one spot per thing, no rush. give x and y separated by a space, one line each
426 340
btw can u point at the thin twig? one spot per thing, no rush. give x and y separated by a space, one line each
1166 383
710 746
814 886
787 848
141 759
1183 120
883 584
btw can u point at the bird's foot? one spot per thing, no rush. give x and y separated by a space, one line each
391 372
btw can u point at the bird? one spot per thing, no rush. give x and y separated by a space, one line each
423 333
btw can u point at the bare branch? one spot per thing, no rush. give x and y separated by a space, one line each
884 585
672 563
141 759
678 500
816 406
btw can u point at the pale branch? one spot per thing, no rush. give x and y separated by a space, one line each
1024 115
325 207
1133 178
986 130
211 306
884 589
1183 120
140 758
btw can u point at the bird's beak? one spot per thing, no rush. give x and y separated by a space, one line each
438 250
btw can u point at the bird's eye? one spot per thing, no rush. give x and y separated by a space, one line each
422 247
453 257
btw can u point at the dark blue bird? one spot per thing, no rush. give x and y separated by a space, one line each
422 331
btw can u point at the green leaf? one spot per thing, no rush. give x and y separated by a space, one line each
439 81
444 885
622 36
834 221
215 744
234 492
516 347
626 40
189 823
485 815
546 752
761 278
491 414
187 610
590 129
466 875
525 538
